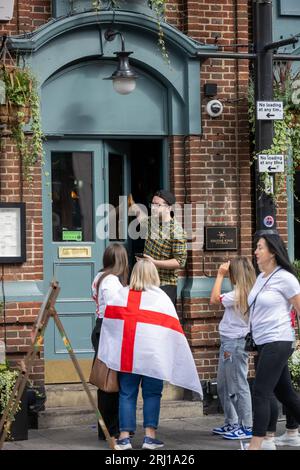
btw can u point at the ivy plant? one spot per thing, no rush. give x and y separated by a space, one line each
294 367
286 138
22 97
7 382
296 265
158 6
294 360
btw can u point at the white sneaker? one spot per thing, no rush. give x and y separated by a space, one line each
292 440
268 444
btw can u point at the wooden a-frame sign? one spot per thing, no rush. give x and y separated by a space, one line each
46 311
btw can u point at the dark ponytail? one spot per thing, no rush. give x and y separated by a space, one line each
277 247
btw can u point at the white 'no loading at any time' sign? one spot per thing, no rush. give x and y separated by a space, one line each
270 163
269 110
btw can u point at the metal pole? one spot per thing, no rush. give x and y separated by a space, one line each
204 55
285 57
265 206
283 42
224 55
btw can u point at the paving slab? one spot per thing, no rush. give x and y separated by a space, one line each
177 434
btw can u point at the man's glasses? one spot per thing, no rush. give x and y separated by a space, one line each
156 205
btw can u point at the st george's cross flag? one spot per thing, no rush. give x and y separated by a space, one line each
141 334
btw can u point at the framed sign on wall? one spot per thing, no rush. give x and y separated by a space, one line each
12 232
221 237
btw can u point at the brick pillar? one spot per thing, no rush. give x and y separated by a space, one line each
214 169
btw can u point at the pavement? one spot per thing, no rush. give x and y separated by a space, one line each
177 434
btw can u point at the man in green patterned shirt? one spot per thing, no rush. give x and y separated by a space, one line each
165 243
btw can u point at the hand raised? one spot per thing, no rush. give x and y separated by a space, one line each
224 268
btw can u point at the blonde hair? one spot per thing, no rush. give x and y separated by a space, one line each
242 276
144 275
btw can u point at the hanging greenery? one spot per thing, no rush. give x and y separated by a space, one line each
158 6
22 103
286 132
98 4
7 382
294 360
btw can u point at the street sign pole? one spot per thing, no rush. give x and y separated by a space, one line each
265 206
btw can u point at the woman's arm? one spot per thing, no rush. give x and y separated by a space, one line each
295 301
216 290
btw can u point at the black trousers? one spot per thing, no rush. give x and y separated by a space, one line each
291 422
171 291
273 377
108 403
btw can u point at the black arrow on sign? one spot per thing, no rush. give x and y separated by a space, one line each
270 115
270 168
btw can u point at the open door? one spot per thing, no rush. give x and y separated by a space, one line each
80 176
118 178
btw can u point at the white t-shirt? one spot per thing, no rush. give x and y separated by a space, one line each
232 324
271 318
107 290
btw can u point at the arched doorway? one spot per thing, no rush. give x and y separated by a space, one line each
100 148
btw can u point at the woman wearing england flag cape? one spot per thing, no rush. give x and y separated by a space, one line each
142 338
112 277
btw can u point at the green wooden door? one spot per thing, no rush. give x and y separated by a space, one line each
83 179
73 191
86 184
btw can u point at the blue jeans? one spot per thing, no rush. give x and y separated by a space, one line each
151 392
233 387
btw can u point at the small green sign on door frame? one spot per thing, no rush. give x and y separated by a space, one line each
72 235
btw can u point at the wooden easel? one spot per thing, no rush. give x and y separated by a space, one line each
47 310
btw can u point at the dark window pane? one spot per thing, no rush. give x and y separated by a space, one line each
72 196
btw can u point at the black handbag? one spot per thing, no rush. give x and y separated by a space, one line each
250 345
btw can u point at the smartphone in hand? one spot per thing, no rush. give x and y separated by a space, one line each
139 255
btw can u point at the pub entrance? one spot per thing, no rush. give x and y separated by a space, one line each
83 176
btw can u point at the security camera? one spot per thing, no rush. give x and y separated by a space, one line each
214 108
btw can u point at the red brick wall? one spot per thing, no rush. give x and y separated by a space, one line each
13 188
20 318
28 15
216 168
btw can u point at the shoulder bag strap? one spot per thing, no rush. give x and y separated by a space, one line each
254 301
